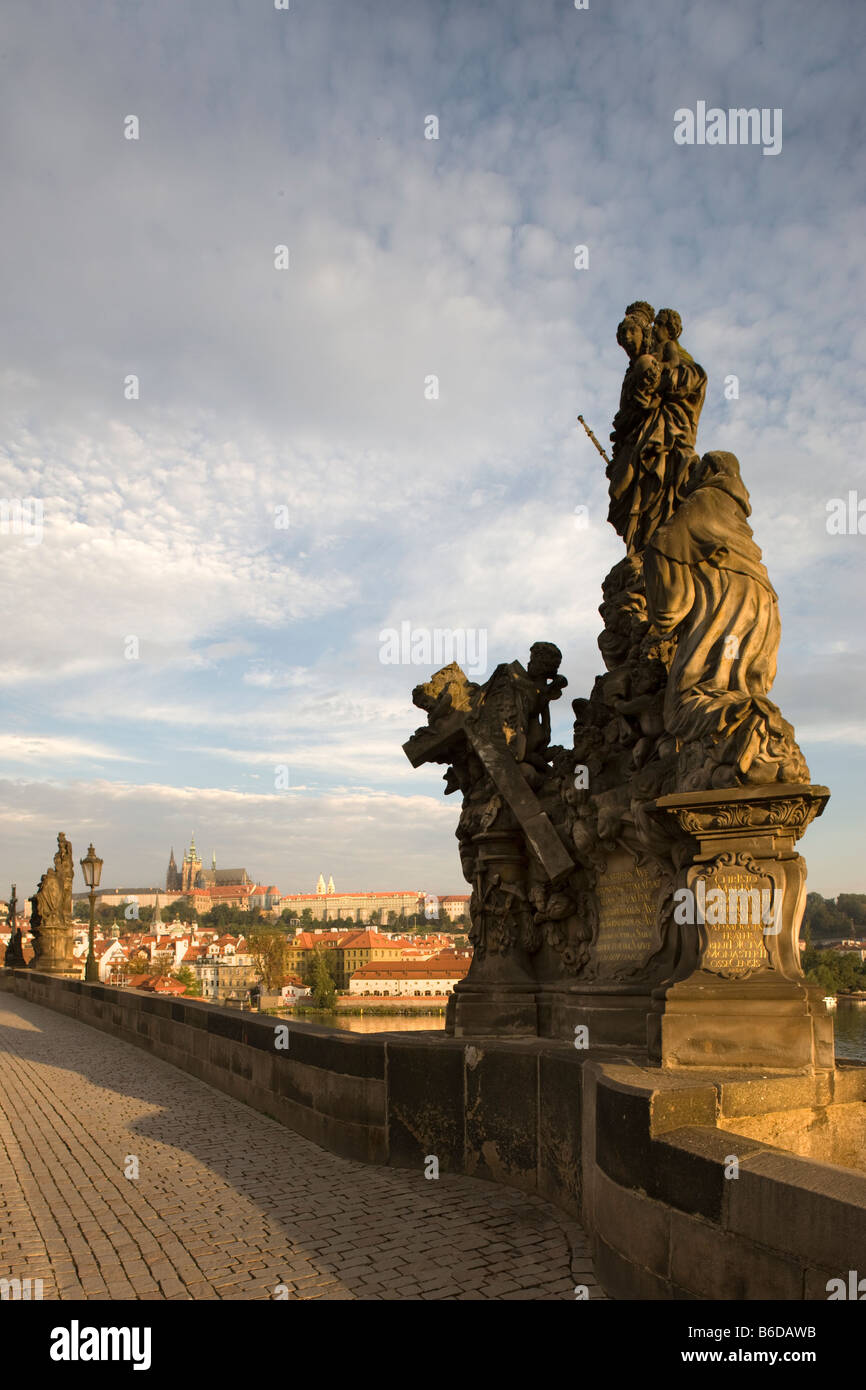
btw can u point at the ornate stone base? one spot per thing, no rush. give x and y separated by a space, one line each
738 997
497 998
498 1011
14 956
764 1022
615 1014
53 946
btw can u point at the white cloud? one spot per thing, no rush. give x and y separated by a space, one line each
39 749
304 390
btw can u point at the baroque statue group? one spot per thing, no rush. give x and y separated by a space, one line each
51 923
575 855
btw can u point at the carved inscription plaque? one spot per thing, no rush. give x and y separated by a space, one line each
737 908
627 902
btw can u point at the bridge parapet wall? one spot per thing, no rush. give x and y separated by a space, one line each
641 1157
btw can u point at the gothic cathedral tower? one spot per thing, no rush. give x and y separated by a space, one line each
172 877
191 868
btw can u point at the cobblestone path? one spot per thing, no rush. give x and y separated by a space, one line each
228 1204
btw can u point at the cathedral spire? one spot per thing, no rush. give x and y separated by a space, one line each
172 877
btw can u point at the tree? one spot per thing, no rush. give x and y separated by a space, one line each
834 970
270 951
140 965
308 966
853 905
220 915
825 919
307 915
186 977
324 989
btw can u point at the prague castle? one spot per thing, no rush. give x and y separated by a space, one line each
192 875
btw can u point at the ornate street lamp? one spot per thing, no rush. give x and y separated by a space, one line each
91 867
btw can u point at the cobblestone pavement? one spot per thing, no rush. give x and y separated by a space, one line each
229 1204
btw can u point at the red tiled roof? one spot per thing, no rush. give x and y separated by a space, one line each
162 984
225 890
308 940
410 970
367 940
100 947
332 897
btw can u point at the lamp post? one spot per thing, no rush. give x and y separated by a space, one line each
91 867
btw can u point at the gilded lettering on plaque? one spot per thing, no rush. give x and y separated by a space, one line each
738 910
628 896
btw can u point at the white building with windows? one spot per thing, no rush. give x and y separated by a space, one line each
407 979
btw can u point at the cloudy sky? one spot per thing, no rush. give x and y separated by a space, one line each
174 653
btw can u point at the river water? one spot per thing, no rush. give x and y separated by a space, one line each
378 1023
849 1019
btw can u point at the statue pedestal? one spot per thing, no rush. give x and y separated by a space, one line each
14 957
53 946
614 1013
506 1012
612 996
738 997
498 995
767 1023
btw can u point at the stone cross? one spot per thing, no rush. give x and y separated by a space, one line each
463 719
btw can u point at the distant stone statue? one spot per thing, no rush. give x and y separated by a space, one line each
49 898
14 957
65 870
51 915
706 583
